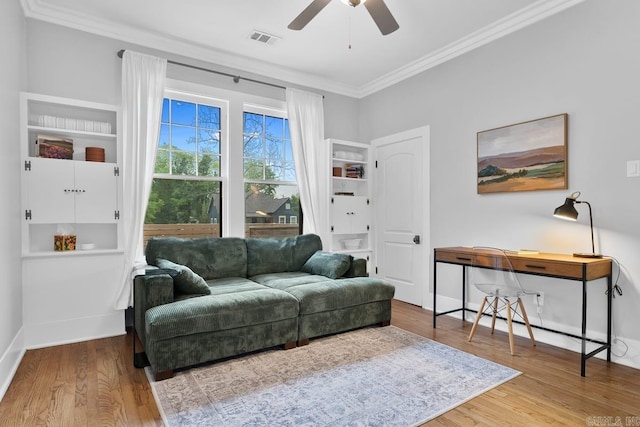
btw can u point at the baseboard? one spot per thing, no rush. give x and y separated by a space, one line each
624 351
10 361
74 330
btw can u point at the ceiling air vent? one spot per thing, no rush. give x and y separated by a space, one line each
265 38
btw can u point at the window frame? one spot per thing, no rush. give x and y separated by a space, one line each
231 144
223 105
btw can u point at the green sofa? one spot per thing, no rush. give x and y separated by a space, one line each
213 298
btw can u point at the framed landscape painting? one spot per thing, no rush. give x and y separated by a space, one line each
526 156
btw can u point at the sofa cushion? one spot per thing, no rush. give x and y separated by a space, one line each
283 281
331 295
209 257
328 264
306 246
279 254
219 313
232 284
184 279
269 255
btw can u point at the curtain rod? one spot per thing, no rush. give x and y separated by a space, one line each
236 79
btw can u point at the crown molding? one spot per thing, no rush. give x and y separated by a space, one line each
36 9
536 12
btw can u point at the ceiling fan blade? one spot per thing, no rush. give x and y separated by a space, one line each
381 16
308 14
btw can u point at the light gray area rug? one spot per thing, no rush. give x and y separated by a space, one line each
369 377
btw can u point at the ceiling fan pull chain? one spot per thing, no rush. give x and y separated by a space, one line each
349 31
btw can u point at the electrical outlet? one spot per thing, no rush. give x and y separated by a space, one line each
538 299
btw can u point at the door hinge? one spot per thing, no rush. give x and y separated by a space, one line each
376 270
332 228
27 165
27 214
376 164
116 214
368 228
332 200
116 170
368 201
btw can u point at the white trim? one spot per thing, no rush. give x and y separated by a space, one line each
231 146
631 358
10 361
37 9
39 335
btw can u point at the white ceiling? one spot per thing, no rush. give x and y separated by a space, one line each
431 32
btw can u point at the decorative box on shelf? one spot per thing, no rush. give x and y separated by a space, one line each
53 147
64 242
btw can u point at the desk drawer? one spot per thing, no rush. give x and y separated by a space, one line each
454 257
552 268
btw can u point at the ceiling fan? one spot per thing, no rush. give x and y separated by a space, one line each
377 9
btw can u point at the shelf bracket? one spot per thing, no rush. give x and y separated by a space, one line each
116 214
27 214
27 165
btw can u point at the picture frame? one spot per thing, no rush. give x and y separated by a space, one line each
527 156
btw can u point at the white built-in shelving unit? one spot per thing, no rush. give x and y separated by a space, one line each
69 296
350 199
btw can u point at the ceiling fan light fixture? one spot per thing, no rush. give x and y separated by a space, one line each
353 3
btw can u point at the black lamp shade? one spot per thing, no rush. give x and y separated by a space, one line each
567 211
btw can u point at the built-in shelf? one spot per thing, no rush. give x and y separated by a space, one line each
350 198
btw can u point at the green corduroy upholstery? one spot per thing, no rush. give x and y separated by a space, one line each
259 299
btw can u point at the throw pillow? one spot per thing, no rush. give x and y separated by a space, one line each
184 279
328 264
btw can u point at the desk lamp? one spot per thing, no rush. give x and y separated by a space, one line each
568 211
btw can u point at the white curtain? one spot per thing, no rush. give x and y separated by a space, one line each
310 155
143 79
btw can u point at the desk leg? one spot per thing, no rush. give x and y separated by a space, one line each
609 299
584 327
435 292
464 293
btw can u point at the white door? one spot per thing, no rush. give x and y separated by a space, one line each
401 197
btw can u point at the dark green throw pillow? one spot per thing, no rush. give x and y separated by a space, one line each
328 264
184 279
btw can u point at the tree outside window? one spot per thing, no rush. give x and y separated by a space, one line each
185 195
271 191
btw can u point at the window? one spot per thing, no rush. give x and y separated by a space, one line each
271 191
293 219
185 195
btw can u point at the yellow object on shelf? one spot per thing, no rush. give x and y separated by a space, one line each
64 242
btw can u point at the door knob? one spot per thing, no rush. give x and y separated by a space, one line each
416 239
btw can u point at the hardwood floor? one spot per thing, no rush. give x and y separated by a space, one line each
95 383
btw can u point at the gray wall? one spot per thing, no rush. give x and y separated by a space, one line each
12 81
73 64
584 62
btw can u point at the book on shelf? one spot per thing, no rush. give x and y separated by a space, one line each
353 170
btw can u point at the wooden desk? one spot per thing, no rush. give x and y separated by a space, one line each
544 264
